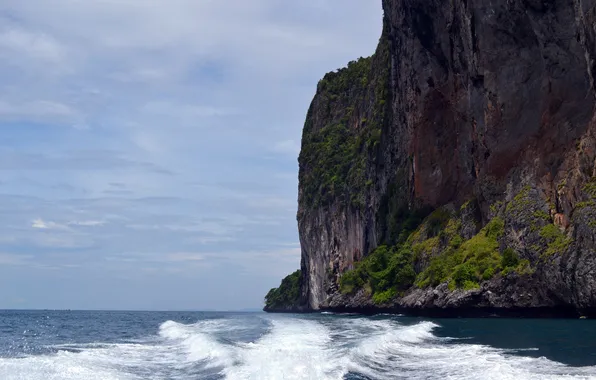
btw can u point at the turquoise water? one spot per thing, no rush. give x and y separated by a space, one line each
52 345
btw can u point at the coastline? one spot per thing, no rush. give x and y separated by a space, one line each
470 312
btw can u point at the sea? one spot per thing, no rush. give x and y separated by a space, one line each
110 345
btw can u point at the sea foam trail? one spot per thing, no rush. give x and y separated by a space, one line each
179 351
64 365
198 343
413 352
327 348
293 349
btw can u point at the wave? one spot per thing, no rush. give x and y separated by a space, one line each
197 342
177 351
64 365
414 352
289 348
293 349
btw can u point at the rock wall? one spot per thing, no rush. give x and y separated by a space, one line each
466 100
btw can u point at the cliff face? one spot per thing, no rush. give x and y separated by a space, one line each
481 111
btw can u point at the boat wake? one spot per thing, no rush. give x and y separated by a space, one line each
288 348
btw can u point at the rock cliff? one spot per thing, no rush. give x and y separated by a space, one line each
455 168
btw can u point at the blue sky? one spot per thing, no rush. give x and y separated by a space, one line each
148 148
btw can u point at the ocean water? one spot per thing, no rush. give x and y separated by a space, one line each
51 345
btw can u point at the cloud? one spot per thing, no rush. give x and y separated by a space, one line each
42 225
74 160
208 227
38 46
39 111
175 167
251 260
87 223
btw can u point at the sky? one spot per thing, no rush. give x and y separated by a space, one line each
148 148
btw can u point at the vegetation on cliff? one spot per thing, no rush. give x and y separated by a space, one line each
436 252
465 264
333 159
388 272
556 240
286 296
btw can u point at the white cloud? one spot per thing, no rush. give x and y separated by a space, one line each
87 223
39 111
49 225
213 239
34 45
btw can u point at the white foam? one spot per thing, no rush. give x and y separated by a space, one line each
198 342
415 353
293 349
62 366
176 351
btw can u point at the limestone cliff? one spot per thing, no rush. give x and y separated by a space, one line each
464 149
